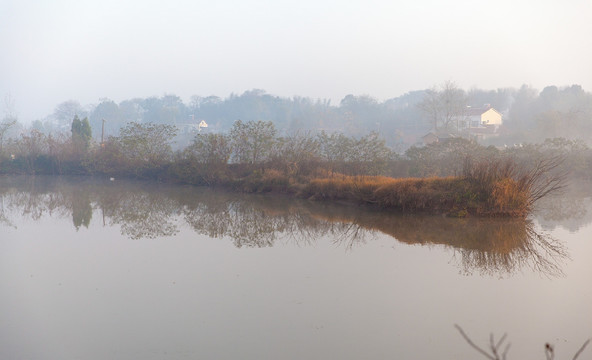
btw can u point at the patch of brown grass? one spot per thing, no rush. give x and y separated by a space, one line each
486 188
455 196
407 194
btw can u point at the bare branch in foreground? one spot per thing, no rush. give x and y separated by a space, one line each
494 347
581 349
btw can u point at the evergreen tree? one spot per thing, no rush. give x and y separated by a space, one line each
86 131
76 127
81 133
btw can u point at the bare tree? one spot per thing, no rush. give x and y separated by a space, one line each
9 119
544 178
65 112
252 141
5 126
445 105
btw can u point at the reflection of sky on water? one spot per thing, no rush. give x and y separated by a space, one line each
570 212
216 275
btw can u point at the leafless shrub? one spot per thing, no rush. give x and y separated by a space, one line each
509 185
543 178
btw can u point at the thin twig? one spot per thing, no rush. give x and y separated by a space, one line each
493 347
506 351
467 339
581 349
549 349
499 343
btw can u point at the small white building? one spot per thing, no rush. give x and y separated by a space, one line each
484 117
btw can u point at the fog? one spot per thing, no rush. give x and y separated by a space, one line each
57 50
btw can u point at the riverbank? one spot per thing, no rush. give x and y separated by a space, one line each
497 188
489 190
327 167
493 189
452 196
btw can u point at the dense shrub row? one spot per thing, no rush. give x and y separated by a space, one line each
458 177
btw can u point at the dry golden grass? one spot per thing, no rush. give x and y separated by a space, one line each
456 196
507 197
491 188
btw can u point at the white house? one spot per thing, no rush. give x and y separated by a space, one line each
484 117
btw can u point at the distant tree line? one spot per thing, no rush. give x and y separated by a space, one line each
146 150
252 157
529 115
294 136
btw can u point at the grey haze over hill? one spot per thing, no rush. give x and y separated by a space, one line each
57 50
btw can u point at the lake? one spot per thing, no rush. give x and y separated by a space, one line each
99 269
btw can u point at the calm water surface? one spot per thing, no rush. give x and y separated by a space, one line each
93 269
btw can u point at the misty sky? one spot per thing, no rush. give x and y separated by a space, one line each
56 50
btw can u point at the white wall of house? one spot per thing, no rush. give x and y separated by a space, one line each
491 117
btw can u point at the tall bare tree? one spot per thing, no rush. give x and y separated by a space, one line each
445 105
252 141
9 119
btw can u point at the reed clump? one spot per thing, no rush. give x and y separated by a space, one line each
505 188
405 194
486 188
497 187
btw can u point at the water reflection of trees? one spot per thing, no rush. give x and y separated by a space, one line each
36 200
81 208
570 211
140 212
4 216
489 246
524 248
251 222
147 210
